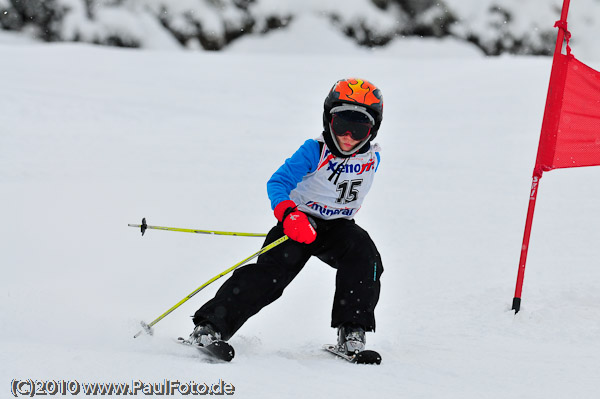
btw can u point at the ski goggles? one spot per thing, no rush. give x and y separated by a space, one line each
351 120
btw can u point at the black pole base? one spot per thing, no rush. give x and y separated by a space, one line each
516 305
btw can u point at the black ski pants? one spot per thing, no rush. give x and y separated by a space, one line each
340 243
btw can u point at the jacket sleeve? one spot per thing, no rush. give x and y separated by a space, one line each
305 160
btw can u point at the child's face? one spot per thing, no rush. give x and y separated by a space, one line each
346 143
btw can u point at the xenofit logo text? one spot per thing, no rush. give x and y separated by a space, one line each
359 169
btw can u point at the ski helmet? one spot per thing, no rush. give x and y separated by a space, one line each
358 95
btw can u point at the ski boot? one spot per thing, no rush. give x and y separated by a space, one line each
208 339
204 334
351 339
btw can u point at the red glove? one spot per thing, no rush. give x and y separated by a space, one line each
295 223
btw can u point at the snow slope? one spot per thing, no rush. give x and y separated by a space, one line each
94 138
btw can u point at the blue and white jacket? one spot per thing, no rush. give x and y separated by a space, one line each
323 185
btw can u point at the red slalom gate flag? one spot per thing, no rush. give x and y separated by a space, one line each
573 136
570 135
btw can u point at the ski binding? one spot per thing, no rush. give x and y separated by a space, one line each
220 350
362 357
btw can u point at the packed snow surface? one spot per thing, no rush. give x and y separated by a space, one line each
93 138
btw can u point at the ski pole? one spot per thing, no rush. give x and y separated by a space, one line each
145 226
148 327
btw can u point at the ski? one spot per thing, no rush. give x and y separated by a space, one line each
362 357
220 350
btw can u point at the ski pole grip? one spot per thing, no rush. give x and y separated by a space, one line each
144 226
312 222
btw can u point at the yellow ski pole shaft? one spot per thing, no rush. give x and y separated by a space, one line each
145 226
148 327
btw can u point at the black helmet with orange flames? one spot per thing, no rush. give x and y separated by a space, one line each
361 95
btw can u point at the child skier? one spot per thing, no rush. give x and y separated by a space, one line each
315 195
